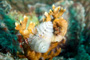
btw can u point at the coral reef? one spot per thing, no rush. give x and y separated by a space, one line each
6 56
52 52
85 4
60 26
86 32
8 38
82 54
76 35
22 5
58 58
5 6
43 42
40 42
23 29
15 15
41 36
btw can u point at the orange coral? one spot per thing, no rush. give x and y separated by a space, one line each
32 55
23 29
51 53
60 28
59 23
55 12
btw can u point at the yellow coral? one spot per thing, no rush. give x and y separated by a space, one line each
23 29
59 23
60 28
32 55
55 12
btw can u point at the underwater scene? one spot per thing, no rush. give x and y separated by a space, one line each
44 29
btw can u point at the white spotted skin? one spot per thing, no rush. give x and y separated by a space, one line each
41 41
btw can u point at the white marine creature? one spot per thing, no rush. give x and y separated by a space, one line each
51 29
41 41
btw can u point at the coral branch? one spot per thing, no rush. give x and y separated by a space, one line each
60 26
53 51
38 43
23 28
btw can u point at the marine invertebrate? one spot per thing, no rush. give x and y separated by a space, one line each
41 41
59 24
53 51
23 28
60 29
15 15
85 4
8 40
6 56
44 40
22 5
75 15
5 6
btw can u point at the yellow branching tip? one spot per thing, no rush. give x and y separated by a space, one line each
23 28
16 24
53 6
43 19
56 13
58 7
20 21
50 10
25 16
46 14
